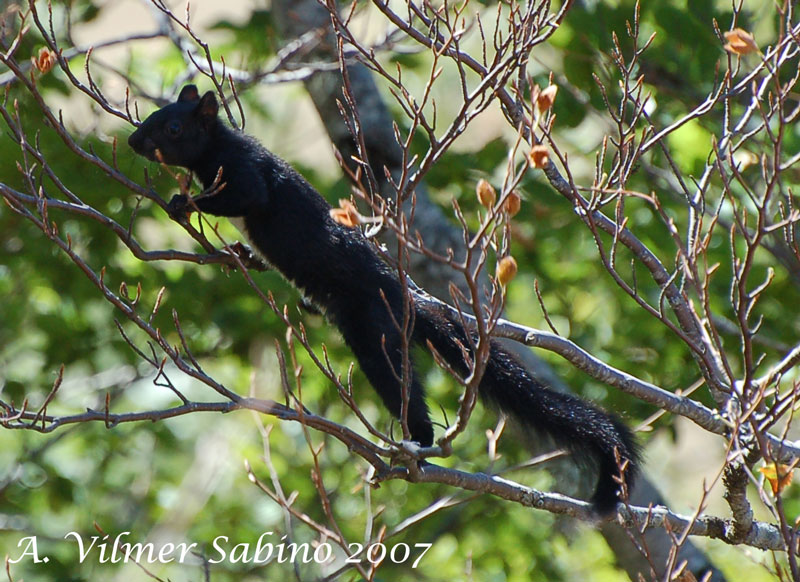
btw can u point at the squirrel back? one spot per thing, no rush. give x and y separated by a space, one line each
289 224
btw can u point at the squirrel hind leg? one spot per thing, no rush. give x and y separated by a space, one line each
380 358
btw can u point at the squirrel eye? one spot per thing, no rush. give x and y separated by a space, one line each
174 128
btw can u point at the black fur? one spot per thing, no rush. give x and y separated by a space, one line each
338 269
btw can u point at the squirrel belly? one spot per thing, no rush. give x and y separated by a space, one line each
239 223
288 224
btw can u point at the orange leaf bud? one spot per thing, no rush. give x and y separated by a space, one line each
740 42
346 214
778 475
539 156
512 204
506 270
486 193
45 61
546 97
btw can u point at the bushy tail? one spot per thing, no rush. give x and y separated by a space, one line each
587 431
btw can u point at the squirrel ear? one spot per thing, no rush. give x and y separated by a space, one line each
189 93
208 106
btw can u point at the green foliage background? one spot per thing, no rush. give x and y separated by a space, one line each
184 478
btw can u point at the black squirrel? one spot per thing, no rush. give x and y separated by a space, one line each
290 225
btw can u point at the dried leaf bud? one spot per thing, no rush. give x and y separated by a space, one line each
486 193
539 156
546 97
506 270
512 204
45 61
346 214
740 42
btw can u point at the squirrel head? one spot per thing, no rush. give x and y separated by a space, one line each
179 133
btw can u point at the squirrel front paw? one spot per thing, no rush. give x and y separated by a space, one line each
179 208
243 252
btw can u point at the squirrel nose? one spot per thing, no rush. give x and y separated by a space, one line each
140 143
134 139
